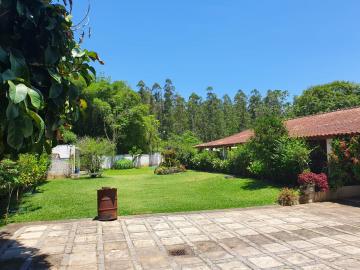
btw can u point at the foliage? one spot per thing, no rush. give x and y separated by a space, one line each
115 111
344 164
39 65
123 164
93 152
319 180
203 161
32 169
183 145
8 182
239 160
288 197
162 170
169 158
69 137
275 156
327 97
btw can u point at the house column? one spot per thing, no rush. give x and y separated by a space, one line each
328 147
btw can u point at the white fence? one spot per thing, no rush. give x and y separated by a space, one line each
144 160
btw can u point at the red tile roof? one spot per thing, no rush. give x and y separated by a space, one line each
326 125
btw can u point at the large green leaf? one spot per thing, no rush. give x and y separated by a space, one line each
17 93
55 90
39 123
76 52
15 136
8 75
18 65
55 75
36 98
12 111
27 126
3 55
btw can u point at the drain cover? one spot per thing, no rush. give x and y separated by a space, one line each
179 250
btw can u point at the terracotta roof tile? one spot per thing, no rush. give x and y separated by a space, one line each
342 122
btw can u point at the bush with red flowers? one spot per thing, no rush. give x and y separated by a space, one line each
319 180
344 164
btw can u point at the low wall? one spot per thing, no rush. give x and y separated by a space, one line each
59 168
144 160
340 193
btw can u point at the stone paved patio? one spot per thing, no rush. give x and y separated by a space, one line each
315 236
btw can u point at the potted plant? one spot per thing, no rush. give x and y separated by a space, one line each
310 183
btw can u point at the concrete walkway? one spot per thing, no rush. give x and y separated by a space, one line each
314 236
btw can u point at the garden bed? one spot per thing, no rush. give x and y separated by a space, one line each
340 193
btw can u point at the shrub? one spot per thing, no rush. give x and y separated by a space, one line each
319 180
8 182
183 145
123 164
344 164
203 161
288 197
93 152
239 160
169 158
32 169
161 170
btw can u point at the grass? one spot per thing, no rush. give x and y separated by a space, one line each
142 192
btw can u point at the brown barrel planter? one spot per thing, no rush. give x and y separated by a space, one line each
107 203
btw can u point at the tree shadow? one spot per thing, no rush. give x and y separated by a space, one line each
255 184
16 255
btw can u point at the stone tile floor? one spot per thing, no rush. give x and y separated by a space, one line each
314 236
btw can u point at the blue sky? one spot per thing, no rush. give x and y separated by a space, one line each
227 44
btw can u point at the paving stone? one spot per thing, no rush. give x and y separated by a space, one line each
234 226
82 258
301 244
136 228
247 251
119 265
52 249
198 238
180 224
176 218
143 243
324 253
222 235
31 235
223 220
259 239
166 233
316 267
245 232
59 233
161 226
187 260
268 229
86 230
352 250
234 265
212 228
348 237
85 238
78 248
116 255
348 264
118 245
172 241
35 228
307 233
297 258
265 262
190 230
196 267
109 237
203 221
275 247
142 236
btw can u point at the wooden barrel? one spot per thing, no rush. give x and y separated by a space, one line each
107 203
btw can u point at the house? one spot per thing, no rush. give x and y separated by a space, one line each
318 130
64 161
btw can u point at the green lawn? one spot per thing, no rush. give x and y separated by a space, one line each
142 192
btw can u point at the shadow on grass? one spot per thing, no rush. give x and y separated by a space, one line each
255 184
16 255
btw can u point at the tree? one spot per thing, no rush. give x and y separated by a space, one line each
180 117
39 63
194 107
255 104
327 97
93 152
144 92
275 102
214 116
168 122
230 125
240 111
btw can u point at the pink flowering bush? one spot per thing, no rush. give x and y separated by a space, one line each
319 180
